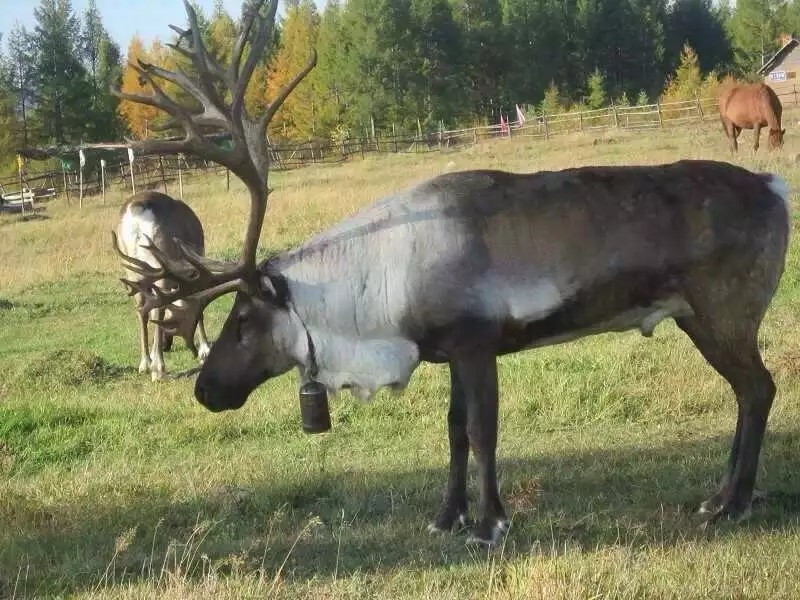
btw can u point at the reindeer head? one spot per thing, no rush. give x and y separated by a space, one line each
261 337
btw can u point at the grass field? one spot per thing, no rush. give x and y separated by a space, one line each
112 486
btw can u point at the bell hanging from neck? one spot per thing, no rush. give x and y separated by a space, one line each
314 412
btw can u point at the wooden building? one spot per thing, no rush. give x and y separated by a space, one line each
782 71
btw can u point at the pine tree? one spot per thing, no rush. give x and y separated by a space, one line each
596 92
21 66
688 82
486 53
435 91
61 86
700 24
552 102
101 58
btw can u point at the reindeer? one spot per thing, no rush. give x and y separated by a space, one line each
469 266
149 218
750 106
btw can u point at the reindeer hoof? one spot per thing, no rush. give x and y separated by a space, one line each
724 507
445 524
488 533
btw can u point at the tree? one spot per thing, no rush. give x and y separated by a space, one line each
688 83
101 58
8 125
21 67
625 40
486 53
596 92
699 24
61 86
326 78
137 116
296 118
221 33
753 29
438 69
552 102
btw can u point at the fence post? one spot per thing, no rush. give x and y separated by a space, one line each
66 188
227 180
103 178
580 120
700 108
394 137
475 133
180 176
616 116
21 193
660 117
546 130
794 87
163 177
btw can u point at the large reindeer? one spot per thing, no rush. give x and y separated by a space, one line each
468 266
153 218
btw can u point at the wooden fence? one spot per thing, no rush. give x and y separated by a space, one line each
650 116
154 172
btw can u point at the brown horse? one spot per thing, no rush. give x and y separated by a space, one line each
750 106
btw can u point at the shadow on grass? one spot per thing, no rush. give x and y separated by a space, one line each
362 521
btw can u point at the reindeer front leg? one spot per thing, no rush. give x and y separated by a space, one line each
453 510
144 363
476 373
157 355
205 347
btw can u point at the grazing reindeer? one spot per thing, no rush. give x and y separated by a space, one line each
472 265
750 106
154 218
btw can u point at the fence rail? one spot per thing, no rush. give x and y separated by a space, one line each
158 171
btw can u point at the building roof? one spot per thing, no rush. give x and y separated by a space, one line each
779 56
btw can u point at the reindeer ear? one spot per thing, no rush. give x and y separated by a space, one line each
266 286
274 287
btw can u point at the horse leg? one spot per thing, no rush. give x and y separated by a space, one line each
735 138
756 134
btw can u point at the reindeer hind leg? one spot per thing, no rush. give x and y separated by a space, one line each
729 300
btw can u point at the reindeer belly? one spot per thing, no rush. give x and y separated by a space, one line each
628 301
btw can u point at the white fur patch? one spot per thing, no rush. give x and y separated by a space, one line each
778 186
132 230
520 299
363 365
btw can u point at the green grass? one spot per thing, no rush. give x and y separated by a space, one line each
112 486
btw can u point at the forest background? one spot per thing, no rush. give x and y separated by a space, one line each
396 65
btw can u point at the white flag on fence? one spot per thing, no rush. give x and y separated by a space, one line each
81 158
130 155
520 114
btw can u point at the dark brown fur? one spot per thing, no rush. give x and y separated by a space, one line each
751 106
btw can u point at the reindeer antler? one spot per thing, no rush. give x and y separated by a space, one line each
247 156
